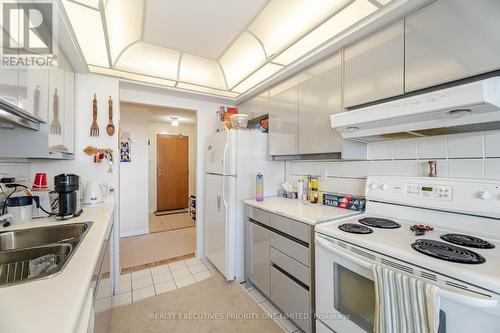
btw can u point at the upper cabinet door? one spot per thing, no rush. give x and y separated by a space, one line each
374 67
451 39
256 107
283 109
320 95
33 91
69 108
57 105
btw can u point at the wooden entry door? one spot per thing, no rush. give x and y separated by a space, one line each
172 172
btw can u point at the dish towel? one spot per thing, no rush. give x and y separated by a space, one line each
404 304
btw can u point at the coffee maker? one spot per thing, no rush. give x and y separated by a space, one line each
67 186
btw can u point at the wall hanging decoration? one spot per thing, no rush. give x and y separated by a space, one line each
101 154
110 128
125 146
94 129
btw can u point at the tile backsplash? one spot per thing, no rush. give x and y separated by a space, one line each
471 155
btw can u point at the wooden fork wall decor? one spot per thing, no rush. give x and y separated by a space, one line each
94 129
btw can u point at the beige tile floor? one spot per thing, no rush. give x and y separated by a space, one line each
169 222
149 282
150 248
208 295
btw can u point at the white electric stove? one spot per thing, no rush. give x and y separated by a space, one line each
461 254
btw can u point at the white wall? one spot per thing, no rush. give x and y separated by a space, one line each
471 155
86 85
164 128
206 124
133 174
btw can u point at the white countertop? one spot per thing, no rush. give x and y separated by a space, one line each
54 304
300 210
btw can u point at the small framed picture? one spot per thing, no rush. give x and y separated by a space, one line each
125 151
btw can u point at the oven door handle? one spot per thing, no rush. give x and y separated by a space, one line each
329 247
458 297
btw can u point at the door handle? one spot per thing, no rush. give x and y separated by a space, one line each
218 203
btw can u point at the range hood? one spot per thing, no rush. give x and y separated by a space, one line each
465 108
11 116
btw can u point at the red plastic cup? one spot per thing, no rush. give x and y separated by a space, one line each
40 180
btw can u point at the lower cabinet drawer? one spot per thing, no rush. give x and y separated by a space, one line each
292 266
293 249
291 298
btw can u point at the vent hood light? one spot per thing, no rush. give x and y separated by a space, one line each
459 113
326 31
468 107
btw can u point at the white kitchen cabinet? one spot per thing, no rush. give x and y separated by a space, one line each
8 85
69 108
57 105
451 39
259 258
255 107
283 118
320 95
33 91
374 67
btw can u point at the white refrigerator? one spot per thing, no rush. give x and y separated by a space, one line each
233 159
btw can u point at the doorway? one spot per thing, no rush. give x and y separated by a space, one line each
172 174
157 185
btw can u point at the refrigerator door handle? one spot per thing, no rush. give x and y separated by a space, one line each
218 203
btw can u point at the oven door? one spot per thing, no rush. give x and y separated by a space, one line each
345 292
345 296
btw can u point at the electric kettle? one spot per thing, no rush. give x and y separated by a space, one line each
95 192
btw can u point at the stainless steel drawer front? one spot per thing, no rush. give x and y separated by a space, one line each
291 298
292 249
291 227
258 215
293 267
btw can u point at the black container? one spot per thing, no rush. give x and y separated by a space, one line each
66 186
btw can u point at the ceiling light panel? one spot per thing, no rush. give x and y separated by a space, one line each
260 75
282 22
87 25
131 76
201 71
326 31
151 60
207 90
124 20
242 58
89 3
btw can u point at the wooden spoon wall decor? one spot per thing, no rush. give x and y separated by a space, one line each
110 128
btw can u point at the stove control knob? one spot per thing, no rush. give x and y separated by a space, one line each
373 186
385 187
485 195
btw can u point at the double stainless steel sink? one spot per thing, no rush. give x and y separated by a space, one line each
20 248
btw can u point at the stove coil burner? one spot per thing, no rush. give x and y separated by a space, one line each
379 223
468 241
444 251
355 228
